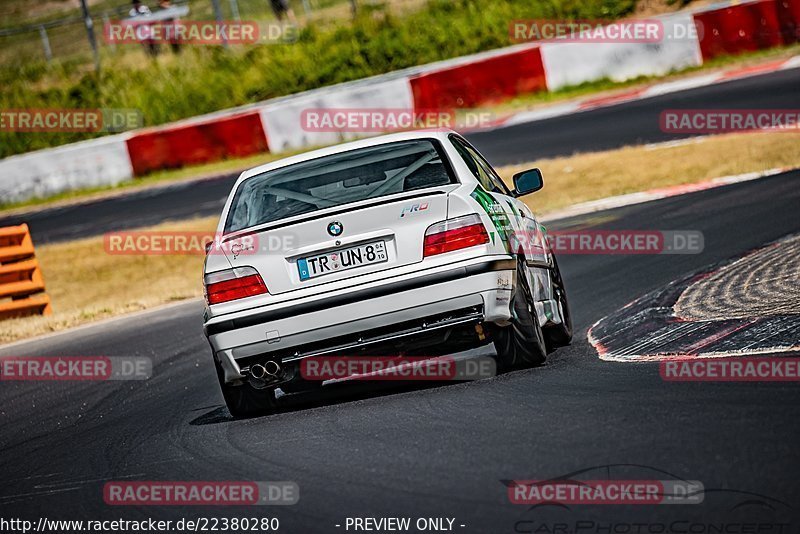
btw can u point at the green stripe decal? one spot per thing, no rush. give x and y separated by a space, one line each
496 214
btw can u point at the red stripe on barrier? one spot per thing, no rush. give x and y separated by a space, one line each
190 144
481 82
745 27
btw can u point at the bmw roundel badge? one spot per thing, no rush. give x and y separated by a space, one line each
335 228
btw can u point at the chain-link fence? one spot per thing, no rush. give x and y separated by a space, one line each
67 37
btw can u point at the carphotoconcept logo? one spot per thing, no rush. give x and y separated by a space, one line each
627 498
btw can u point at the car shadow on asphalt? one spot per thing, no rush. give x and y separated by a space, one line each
350 391
328 395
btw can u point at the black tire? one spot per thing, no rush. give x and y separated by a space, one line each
244 400
521 344
559 335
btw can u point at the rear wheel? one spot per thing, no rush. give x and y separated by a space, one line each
521 344
244 400
559 335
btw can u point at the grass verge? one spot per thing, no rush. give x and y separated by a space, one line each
584 177
86 284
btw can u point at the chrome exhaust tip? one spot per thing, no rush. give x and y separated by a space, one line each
258 371
273 369
261 376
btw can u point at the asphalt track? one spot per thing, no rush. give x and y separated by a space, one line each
434 450
600 129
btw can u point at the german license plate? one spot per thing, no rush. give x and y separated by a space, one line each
342 260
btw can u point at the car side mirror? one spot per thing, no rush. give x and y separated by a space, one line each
527 182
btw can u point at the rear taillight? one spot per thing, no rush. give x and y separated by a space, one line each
454 234
224 286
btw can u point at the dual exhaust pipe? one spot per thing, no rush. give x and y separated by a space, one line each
263 375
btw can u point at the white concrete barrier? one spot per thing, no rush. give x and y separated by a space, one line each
567 64
282 119
94 163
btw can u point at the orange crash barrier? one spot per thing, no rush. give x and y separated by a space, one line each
21 282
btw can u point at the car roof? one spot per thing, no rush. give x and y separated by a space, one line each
440 134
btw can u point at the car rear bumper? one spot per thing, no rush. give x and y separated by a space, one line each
471 291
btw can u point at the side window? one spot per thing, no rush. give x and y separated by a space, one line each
500 187
480 168
475 166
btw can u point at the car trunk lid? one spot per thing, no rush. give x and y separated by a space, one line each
344 243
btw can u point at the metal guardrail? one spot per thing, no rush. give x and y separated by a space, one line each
60 38
98 19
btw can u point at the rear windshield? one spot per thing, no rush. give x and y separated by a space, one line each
338 179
